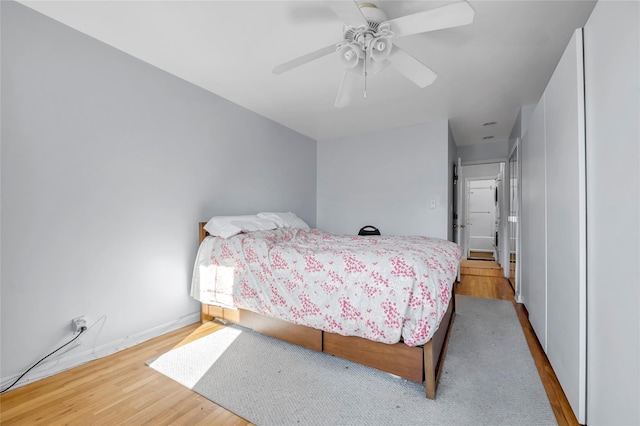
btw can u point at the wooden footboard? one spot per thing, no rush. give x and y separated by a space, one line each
418 364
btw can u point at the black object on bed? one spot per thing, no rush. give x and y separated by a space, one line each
369 230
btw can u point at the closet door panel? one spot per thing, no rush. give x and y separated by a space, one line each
533 242
566 225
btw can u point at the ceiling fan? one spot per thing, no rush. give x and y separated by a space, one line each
366 44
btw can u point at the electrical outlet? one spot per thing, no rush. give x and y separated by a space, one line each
77 324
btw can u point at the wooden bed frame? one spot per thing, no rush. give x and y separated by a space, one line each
415 363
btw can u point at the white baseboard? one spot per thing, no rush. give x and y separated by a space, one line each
62 363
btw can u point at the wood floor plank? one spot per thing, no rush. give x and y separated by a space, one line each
121 389
481 268
480 264
483 286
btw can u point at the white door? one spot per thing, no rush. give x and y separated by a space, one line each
481 216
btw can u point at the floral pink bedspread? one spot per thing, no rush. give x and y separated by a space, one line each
379 288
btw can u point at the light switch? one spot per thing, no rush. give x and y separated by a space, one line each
433 204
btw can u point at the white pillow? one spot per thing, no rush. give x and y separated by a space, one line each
228 226
284 220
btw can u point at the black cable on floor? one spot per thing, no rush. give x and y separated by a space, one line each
82 330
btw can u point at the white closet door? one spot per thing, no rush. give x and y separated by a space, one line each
566 225
533 243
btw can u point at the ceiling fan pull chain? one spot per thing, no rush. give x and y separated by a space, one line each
365 75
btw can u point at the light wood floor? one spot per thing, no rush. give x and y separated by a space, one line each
485 268
481 255
121 390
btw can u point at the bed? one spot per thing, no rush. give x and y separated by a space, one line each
385 302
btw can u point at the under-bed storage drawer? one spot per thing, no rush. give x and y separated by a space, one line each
308 337
399 359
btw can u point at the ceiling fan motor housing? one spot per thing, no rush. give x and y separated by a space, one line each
372 14
361 34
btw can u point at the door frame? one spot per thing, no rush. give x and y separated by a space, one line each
515 149
458 202
457 207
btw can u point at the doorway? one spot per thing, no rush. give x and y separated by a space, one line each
493 172
481 221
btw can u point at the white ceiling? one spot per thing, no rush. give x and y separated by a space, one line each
486 70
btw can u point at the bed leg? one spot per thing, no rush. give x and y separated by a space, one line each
205 316
429 373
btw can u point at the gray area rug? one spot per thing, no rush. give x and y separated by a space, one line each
489 378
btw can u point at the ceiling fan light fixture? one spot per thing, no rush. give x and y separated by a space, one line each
350 54
380 49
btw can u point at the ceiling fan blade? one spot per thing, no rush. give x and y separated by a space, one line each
346 89
304 59
376 67
411 68
348 11
448 16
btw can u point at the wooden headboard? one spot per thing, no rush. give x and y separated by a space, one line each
202 233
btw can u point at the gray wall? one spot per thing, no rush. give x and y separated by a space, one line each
386 179
612 83
107 166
